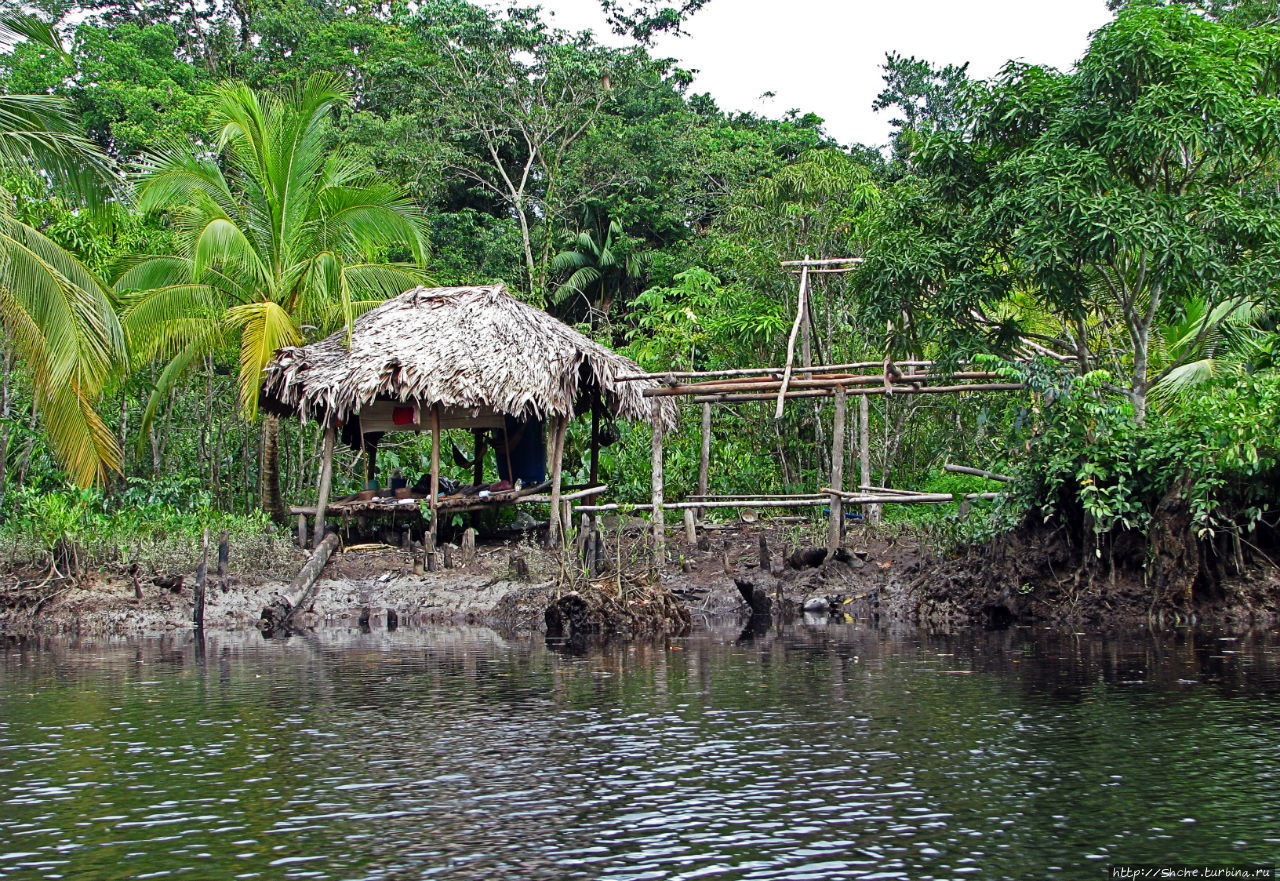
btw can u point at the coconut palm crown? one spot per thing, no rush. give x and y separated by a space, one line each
276 231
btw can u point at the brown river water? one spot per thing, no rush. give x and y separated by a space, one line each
812 752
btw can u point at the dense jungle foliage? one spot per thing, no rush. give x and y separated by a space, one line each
187 187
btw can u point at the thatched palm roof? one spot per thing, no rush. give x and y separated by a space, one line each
465 347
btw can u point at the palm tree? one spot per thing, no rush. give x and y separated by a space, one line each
599 264
275 231
58 316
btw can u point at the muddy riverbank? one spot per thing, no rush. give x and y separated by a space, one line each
887 576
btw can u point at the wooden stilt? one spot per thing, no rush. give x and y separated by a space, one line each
326 477
690 527
595 439
482 445
659 523
871 513
371 462
555 528
506 453
202 573
435 472
704 455
835 532
594 477
801 306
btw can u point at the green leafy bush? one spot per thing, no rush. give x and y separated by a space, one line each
148 518
1096 465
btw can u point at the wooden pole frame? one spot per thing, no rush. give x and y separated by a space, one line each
704 456
659 522
870 513
557 530
791 342
835 530
435 471
326 478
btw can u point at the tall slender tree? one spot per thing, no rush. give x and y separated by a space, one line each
276 231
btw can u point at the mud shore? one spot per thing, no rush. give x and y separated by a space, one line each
885 578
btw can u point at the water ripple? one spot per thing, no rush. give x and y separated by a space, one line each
815 753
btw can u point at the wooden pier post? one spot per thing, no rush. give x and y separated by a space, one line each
835 532
704 457
435 472
659 523
801 307
555 529
202 572
870 513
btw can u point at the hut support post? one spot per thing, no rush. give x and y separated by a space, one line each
435 471
835 532
482 446
326 477
556 528
595 439
704 457
659 524
870 513
482 443
371 462
594 479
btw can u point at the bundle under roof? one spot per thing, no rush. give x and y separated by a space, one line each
460 347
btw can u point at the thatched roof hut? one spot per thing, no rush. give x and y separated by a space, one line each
464 357
462 348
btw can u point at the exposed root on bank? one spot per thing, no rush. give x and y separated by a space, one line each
642 607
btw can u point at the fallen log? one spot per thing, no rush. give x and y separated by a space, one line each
278 617
978 472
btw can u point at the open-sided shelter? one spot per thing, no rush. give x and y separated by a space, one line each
457 357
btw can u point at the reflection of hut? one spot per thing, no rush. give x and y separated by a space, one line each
464 357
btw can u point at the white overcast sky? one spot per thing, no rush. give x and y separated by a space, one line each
824 56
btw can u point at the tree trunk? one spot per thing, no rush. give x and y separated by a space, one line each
269 497
28 449
4 423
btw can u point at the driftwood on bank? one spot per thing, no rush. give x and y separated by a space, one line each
278 617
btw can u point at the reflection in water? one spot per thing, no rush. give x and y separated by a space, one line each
820 752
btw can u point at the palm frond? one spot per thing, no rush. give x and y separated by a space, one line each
72 308
14 27
265 327
38 131
1185 378
163 321
83 442
164 386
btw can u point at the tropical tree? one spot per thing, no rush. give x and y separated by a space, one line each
519 97
600 262
58 316
1117 196
276 231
